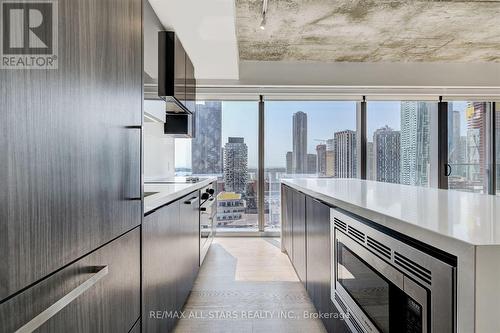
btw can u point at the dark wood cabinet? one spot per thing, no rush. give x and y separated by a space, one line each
188 244
170 260
299 234
286 220
179 70
70 145
319 262
161 261
110 304
306 239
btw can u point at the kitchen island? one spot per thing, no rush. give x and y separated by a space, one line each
456 229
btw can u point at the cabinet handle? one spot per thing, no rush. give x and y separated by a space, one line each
190 201
48 313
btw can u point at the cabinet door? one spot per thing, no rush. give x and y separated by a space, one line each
110 304
286 220
190 85
319 262
162 262
179 71
189 243
299 234
70 174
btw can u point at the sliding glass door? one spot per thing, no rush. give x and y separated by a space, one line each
399 135
468 134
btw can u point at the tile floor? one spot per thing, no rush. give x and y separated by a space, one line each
248 285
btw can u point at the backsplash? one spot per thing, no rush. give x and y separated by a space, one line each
159 152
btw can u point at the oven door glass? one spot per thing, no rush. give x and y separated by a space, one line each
386 305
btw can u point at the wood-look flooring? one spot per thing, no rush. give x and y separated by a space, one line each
248 285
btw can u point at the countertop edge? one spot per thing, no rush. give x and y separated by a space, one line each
178 194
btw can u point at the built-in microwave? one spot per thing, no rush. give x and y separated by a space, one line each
382 285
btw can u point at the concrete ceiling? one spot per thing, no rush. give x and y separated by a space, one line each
370 31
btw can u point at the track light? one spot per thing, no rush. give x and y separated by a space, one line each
264 12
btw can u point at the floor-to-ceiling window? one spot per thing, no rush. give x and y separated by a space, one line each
306 139
399 141
467 146
226 146
497 146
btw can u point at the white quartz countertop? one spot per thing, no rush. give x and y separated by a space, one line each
168 192
437 217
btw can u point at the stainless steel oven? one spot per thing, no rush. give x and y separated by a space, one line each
382 284
208 210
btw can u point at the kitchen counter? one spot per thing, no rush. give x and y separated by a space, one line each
168 192
465 225
441 215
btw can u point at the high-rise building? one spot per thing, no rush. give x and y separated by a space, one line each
476 138
289 164
345 154
415 145
321 159
371 168
330 163
330 158
299 158
454 138
330 144
235 165
311 163
206 153
387 148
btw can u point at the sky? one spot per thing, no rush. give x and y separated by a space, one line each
324 118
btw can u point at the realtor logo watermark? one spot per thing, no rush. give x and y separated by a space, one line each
29 34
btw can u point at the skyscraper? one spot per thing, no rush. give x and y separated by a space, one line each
235 165
206 145
330 163
453 145
476 138
289 167
387 148
330 158
321 159
415 131
299 158
311 163
345 154
371 168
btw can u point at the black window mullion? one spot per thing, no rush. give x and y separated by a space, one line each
443 166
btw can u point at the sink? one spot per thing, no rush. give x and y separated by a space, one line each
146 194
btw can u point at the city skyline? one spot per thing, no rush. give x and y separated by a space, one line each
326 118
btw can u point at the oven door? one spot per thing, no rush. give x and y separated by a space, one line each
381 297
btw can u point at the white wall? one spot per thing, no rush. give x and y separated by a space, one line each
159 152
371 74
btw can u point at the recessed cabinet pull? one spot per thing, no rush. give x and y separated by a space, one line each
52 310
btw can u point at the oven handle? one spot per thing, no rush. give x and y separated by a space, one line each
204 207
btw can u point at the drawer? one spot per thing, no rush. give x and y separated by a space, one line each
98 293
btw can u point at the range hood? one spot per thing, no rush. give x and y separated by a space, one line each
176 82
